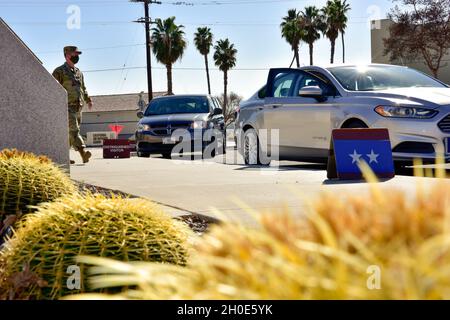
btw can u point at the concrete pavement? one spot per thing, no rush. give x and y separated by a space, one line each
211 187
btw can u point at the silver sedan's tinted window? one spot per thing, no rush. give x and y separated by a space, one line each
283 84
372 78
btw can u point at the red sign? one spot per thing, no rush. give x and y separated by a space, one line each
116 128
116 148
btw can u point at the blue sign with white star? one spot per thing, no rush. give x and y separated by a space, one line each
372 146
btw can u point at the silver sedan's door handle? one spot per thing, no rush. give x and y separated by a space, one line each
275 106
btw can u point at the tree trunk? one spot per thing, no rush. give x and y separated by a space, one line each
292 62
435 72
333 48
311 53
343 47
207 74
169 79
297 56
225 93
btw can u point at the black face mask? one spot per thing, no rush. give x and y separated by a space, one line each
75 59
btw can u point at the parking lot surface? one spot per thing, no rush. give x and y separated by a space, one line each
225 190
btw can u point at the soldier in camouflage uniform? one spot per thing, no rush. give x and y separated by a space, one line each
72 80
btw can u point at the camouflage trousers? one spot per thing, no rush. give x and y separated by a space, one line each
75 138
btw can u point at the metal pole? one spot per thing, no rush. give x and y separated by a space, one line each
148 46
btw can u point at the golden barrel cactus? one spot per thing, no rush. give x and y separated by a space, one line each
38 261
383 245
27 180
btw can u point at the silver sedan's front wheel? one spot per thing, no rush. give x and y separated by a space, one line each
251 148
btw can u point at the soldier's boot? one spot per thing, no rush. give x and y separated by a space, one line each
85 155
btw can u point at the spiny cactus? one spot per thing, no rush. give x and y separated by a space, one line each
27 180
34 262
14 153
383 245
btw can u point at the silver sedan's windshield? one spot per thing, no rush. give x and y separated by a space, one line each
372 78
177 105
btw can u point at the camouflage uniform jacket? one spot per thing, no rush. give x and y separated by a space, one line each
73 81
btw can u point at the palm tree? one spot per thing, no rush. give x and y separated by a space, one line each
312 24
331 26
292 31
168 45
203 39
225 59
342 8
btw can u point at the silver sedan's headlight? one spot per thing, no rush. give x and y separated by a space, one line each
143 127
405 112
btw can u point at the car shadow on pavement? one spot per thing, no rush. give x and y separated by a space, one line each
405 171
409 172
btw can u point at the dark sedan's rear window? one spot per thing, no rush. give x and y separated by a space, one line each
177 105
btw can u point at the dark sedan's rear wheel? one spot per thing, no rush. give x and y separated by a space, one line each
167 155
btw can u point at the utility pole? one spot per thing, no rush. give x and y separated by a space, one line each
147 20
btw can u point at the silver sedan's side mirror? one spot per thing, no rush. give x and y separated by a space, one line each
311 92
140 114
217 111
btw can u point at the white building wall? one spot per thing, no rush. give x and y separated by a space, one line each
100 121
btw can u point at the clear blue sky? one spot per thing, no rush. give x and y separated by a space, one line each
252 25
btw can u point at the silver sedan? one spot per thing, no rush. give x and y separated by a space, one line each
304 105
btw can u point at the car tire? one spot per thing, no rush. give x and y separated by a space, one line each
213 153
355 124
141 154
251 148
167 155
224 147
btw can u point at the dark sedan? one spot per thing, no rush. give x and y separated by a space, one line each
181 123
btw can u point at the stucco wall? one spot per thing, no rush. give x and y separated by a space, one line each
33 106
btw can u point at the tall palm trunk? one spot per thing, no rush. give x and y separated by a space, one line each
207 73
311 53
297 56
333 49
343 47
292 62
169 79
225 93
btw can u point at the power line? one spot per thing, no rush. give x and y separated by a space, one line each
214 23
122 81
123 2
97 48
175 68
220 3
